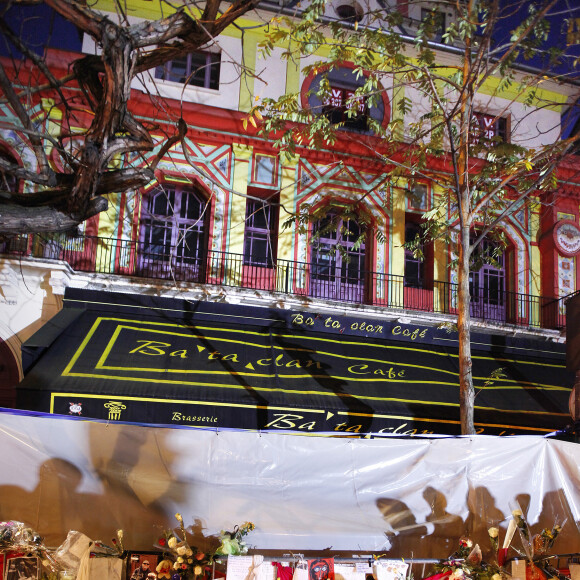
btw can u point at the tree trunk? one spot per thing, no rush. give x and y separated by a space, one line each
466 391
16 219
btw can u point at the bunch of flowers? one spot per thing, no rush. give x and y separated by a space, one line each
182 561
521 524
533 547
115 551
232 543
493 533
17 536
549 536
467 563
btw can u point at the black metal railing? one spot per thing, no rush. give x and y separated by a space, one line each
163 262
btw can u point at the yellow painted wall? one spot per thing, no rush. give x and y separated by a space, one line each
242 167
287 196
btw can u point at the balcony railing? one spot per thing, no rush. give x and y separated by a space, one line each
324 281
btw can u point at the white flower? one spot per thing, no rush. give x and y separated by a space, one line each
189 552
457 574
493 533
180 559
197 570
496 577
176 565
181 550
172 542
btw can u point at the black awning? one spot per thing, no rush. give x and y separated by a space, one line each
213 365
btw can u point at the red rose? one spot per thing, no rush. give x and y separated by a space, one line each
162 542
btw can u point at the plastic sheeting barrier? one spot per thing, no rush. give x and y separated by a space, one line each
403 497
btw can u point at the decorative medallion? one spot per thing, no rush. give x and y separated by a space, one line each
567 237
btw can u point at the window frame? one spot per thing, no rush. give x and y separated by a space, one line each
309 100
176 229
256 166
338 113
412 197
330 277
253 233
488 121
211 69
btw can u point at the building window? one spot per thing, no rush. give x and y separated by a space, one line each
260 239
265 169
436 20
414 257
173 232
490 127
487 282
350 12
338 102
341 107
200 69
338 260
418 197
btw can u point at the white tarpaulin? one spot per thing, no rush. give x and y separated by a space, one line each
396 496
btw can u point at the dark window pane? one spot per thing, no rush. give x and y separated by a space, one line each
163 203
414 265
173 230
201 69
260 236
341 269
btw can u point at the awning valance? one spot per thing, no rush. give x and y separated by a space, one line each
204 364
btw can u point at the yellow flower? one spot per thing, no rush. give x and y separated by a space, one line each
189 552
181 550
120 534
190 560
496 577
180 559
493 533
178 517
197 570
176 565
172 542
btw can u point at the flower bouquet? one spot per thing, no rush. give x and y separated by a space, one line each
533 547
467 563
181 561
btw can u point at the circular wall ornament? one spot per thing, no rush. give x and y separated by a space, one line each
567 237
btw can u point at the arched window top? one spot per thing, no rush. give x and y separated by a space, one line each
174 230
343 82
183 202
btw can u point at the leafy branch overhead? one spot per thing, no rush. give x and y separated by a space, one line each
99 159
474 114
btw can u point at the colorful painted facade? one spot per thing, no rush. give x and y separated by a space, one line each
206 228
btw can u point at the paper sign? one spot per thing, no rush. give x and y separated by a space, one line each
301 571
249 568
345 572
390 570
